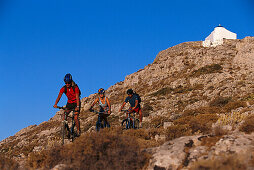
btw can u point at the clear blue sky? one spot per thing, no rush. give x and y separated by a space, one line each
98 42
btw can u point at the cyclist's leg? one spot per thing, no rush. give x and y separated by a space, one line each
65 126
72 106
106 124
140 117
76 116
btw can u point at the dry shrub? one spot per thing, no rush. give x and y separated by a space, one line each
7 163
102 150
219 131
177 131
231 119
200 123
208 69
146 137
248 124
226 104
202 110
219 101
147 108
223 162
162 92
158 121
234 105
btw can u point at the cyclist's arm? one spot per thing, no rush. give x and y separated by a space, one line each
109 106
57 99
136 104
95 101
122 106
78 101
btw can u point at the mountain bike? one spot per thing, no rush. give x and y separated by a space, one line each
66 129
99 123
131 121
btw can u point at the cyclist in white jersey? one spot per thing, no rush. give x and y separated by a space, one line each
104 104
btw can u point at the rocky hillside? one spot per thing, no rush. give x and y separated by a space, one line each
198 113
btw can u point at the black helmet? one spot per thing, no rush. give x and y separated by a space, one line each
129 91
101 91
68 78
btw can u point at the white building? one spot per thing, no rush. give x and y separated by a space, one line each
216 37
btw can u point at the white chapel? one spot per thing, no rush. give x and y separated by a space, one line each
216 37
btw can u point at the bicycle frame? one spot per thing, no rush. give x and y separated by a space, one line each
99 124
131 121
66 126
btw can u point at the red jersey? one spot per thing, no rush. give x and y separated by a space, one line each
71 95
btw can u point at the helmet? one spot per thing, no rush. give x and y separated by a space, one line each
101 91
129 91
68 78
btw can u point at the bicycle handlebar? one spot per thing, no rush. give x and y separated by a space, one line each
64 108
94 111
125 110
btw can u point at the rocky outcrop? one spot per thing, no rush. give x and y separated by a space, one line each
181 153
182 78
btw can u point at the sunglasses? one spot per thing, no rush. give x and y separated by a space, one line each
67 82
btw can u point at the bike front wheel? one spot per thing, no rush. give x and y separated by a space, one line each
64 131
127 124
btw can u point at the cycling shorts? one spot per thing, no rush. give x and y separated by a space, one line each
136 110
71 106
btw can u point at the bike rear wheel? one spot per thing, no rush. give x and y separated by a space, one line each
136 124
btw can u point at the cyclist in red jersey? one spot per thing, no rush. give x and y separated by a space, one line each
72 92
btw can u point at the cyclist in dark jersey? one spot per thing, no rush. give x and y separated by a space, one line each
135 105
104 105
72 92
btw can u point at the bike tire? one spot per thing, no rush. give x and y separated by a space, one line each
136 124
125 124
63 132
73 132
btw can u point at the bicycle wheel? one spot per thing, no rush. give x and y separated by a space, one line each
125 124
73 132
63 132
136 124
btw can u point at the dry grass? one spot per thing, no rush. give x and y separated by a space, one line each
248 124
231 119
208 69
200 123
103 150
7 163
177 131
177 90
223 162
158 121
147 108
